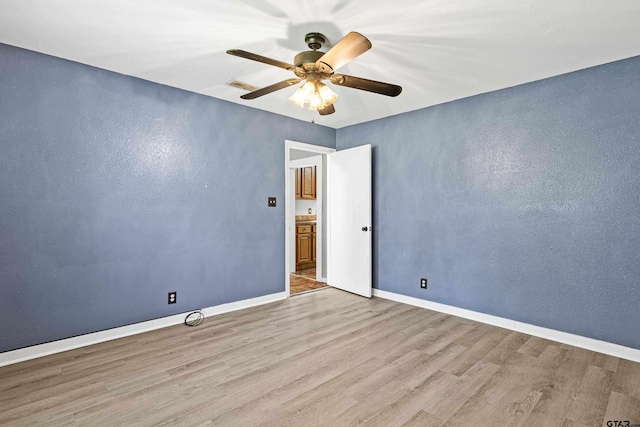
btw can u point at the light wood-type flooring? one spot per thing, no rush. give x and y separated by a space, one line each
325 358
303 281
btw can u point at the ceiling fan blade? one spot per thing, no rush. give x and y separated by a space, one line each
266 90
330 109
350 47
260 58
365 84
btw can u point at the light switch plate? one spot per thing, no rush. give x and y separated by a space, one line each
271 202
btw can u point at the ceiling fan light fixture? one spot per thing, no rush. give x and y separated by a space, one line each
303 94
328 96
312 67
315 102
315 93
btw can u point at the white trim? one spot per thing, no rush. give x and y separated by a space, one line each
317 162
307 161
611 349
328 217
241 305
308 147
40 350
289 236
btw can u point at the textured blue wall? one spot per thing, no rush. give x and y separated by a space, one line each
115 190
522 203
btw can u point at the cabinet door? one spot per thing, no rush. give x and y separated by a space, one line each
303 248
313 247
308 182
298 183
313 182
297 250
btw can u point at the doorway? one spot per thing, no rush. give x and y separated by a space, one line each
313 225
347 216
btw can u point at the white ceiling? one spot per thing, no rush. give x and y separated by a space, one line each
437 50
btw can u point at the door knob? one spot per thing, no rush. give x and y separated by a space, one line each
365 228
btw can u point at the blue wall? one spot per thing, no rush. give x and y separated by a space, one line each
522 203
115 190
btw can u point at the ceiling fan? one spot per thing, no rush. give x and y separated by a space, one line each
313 67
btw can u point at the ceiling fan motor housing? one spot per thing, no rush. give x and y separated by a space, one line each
305 62
309 57
315 40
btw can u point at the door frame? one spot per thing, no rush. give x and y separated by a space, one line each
289 206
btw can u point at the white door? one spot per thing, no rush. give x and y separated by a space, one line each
349 222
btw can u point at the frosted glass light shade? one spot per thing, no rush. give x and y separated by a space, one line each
303 94
328 96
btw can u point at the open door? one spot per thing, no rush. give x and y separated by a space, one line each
349 220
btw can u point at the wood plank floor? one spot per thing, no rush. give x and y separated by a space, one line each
325 358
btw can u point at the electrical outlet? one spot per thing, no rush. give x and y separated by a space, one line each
271 202
173 297
423 283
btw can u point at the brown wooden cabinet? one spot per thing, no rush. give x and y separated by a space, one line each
306 183
305 246
313 245
298 184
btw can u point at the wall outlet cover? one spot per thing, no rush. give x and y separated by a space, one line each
173 297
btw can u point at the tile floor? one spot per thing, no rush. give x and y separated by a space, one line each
304 280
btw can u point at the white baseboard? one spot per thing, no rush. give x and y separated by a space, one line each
27 353
240 305
538 331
